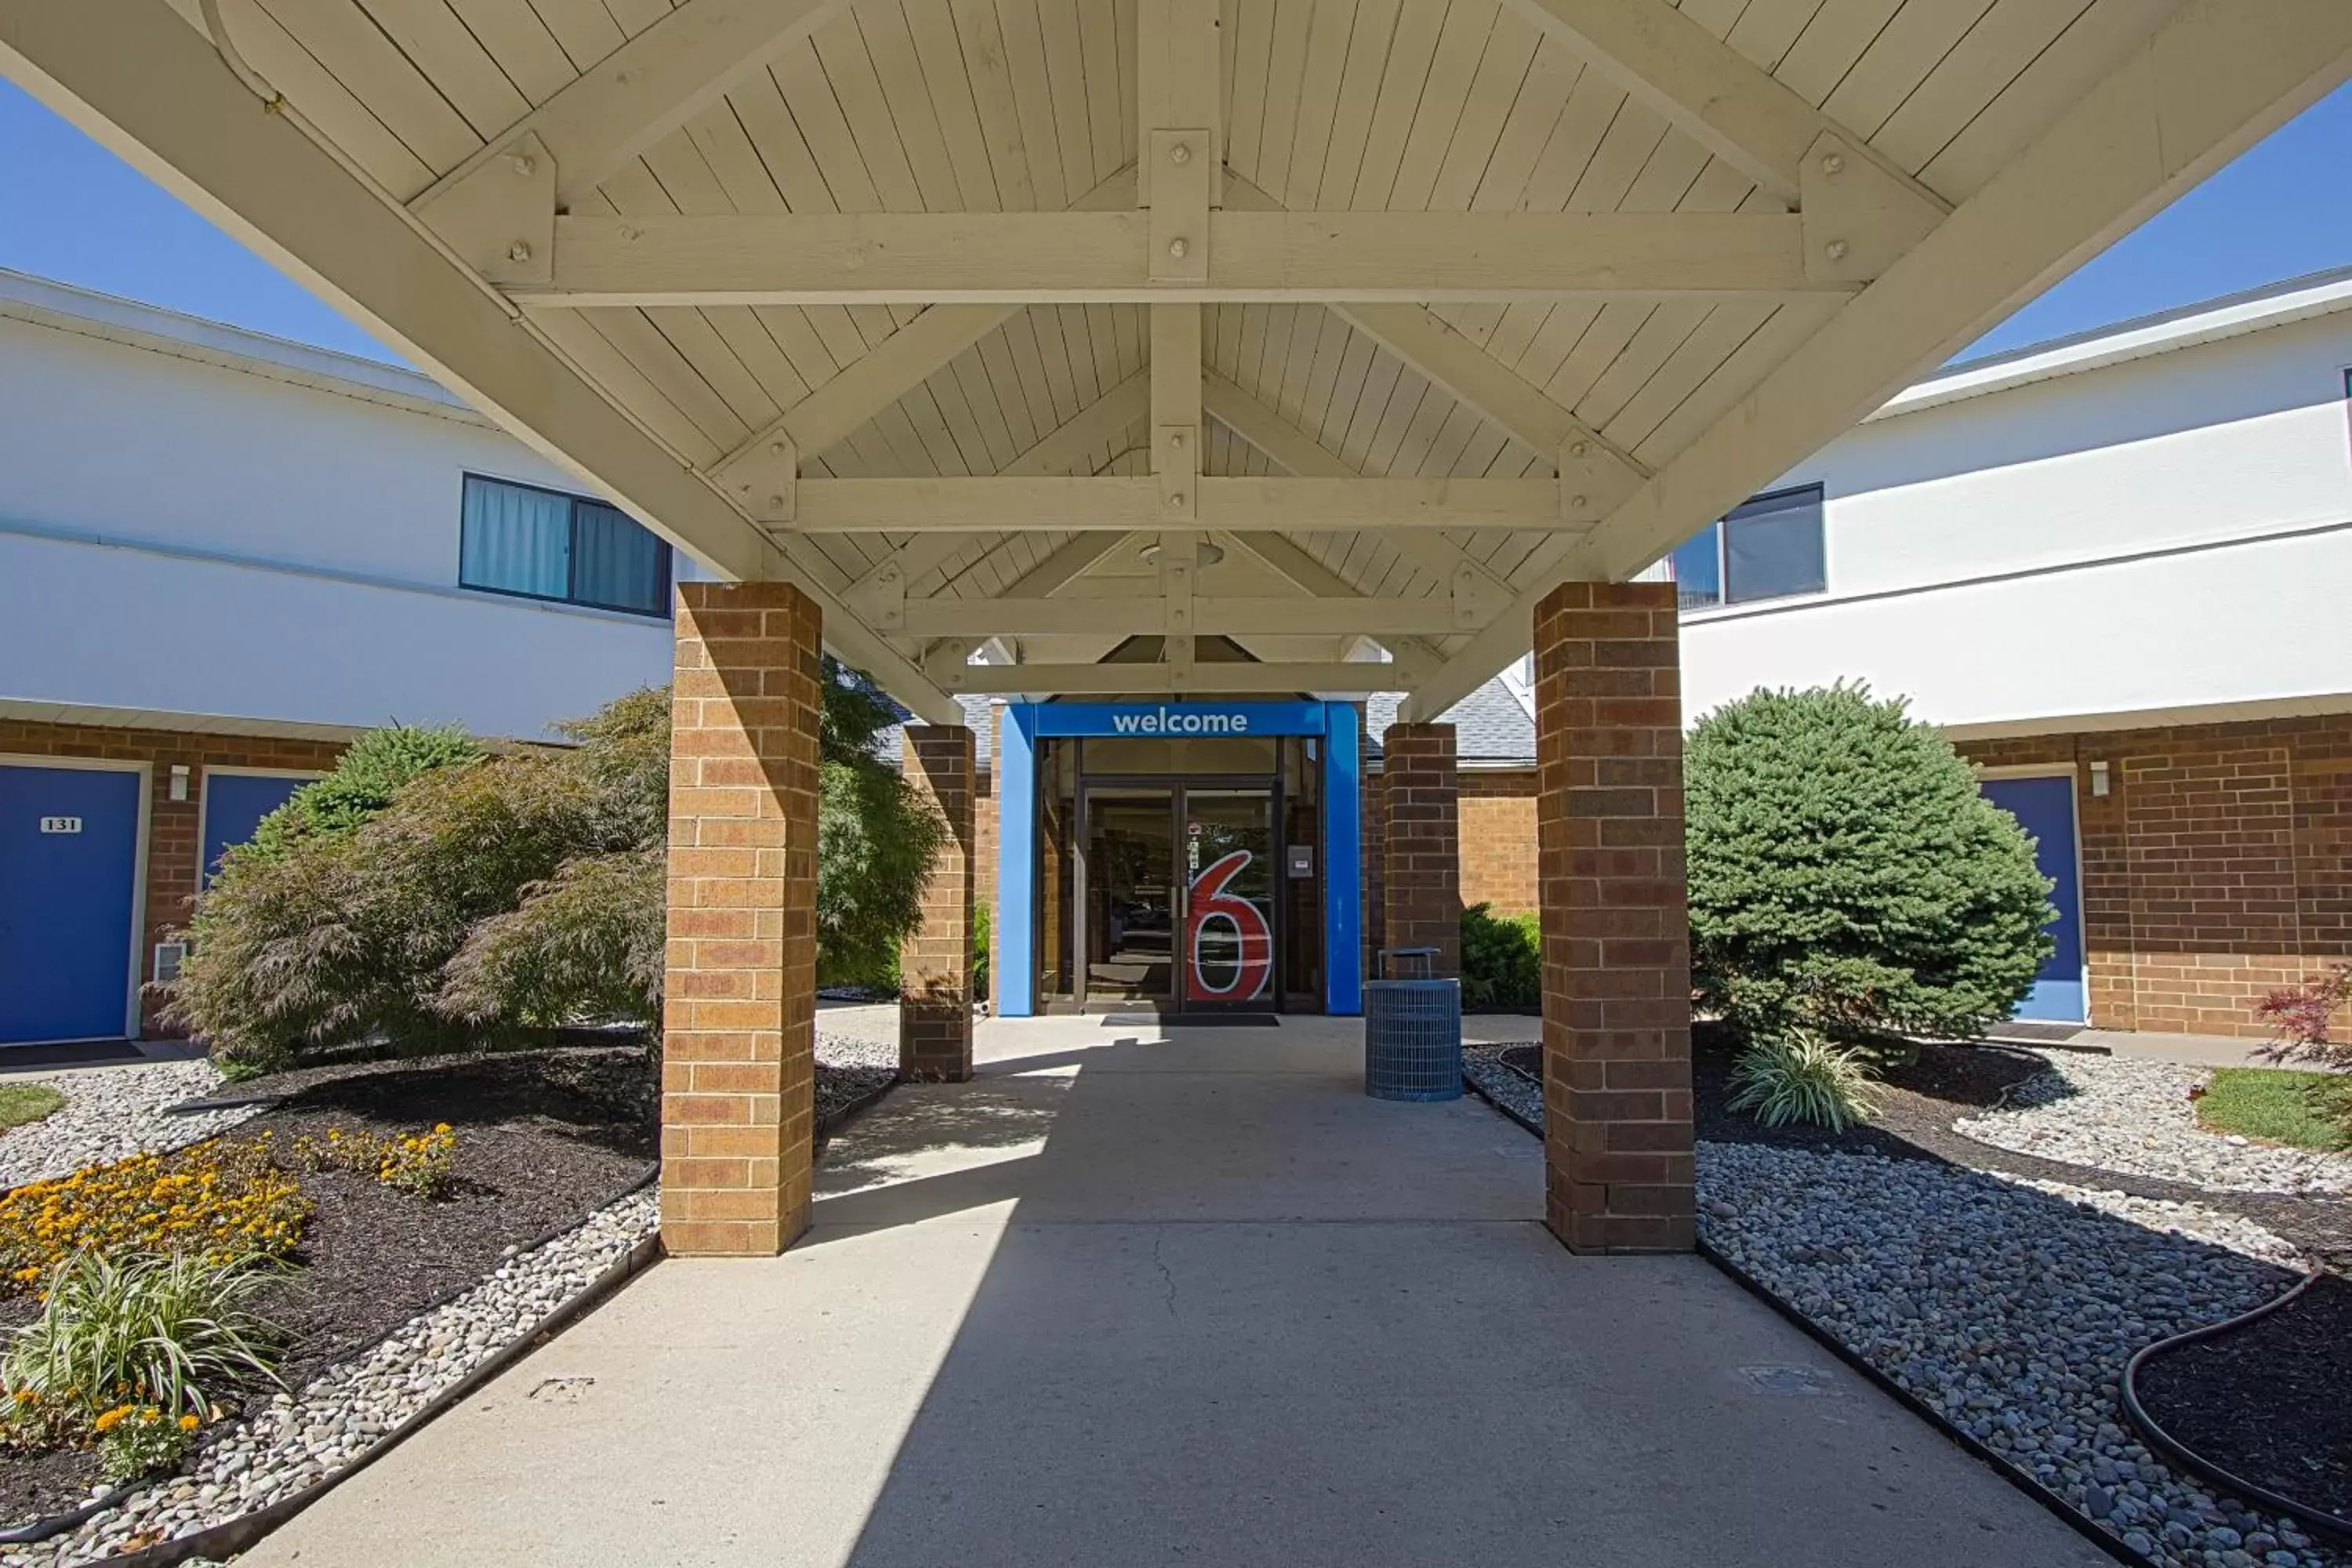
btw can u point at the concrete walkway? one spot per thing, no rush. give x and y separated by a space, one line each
1129 1300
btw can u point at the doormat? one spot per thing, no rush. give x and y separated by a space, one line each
1192 1020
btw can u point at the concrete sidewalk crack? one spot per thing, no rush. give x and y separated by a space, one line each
1158 1238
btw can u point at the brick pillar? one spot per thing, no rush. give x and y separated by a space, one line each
740 1013
935 963
1421 844
1616 934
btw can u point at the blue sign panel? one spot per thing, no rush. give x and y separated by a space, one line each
1177 720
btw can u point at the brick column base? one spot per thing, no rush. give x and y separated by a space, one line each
1619 1168
740 1009
935 963
1421 844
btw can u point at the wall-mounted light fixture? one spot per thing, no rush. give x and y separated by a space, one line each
179 787
2098 778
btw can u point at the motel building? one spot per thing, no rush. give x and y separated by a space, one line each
1294 487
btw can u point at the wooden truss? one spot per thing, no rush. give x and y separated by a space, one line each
659 269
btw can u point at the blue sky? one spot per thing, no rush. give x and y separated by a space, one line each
70 210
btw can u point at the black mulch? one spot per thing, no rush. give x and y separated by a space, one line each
2271 1402
543 1138
1921 1102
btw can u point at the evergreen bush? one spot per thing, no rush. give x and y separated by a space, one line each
364 780
1846 875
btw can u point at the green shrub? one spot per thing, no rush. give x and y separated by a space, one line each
1846 875
519 891
1801 1078
363 782
982 920
173 1331
1502 960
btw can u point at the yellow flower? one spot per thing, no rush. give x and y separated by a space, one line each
189 1423
108 1421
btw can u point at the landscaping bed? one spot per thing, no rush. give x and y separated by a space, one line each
2004 1292
2119 1113
391 1298
2270 1402
538 1146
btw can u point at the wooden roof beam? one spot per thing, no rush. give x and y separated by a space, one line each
1011 258
612 112
1709 90
2203 88
134 76
1271 505
1206 679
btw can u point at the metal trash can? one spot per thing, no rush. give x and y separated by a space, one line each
1412 1032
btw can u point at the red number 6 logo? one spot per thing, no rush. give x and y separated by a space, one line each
1253 962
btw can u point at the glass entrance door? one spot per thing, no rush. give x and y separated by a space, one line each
1131 895
1228 939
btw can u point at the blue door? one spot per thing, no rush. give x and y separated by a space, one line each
69 886
2044 807
235 804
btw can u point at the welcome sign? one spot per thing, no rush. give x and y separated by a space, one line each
1177 720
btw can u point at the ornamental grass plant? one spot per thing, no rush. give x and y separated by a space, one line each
1801 1078
136 1353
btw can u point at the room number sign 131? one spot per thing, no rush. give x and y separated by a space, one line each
61 825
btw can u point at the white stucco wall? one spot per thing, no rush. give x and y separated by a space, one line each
2171 532
182 537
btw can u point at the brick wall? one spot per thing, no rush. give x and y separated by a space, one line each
739 1011
1499 839
1619 1167
2218 866
1421 838
935 962
173 826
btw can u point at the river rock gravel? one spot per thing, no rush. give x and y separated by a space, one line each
112 1113
2011 1308
2120 1113
294 1439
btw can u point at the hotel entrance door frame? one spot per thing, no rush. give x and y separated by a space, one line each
1190 991
1337 725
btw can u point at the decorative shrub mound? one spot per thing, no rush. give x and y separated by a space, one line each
216 1200
1502 960
1847 876
479 897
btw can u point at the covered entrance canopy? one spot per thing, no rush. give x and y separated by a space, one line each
939 307
1381 338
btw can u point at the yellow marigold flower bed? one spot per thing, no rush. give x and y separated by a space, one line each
220 1199
418 1163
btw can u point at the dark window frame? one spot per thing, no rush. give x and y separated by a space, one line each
1763 501
666 576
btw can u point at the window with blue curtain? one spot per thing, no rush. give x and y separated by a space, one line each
543 544
1767 547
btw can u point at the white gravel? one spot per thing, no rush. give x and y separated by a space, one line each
2011 1308
2120 1113
112 1113
298 1438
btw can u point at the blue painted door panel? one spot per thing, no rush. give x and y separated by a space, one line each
2044 807
65 901
235 804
